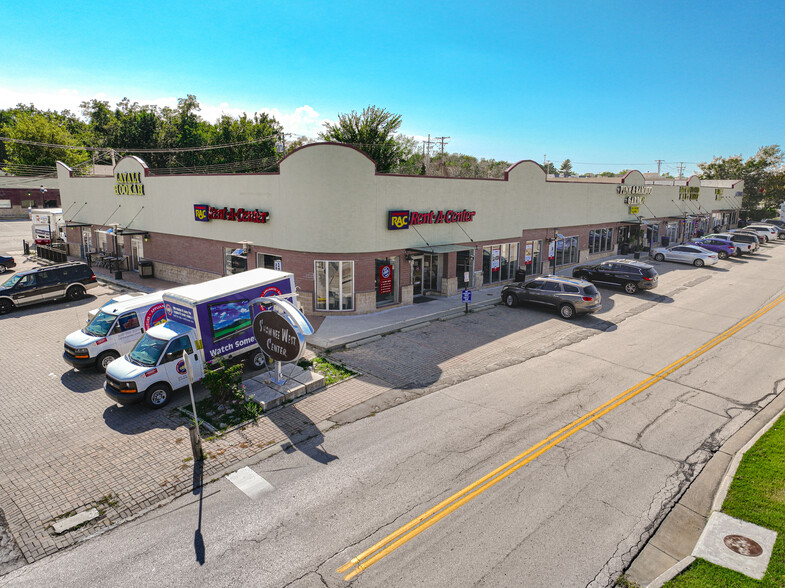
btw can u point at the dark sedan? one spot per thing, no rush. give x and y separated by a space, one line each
6 262
630 274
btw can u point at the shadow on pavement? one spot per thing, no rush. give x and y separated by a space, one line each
138 418
303 434
198 488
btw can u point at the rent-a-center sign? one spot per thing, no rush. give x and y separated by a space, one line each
403 219
205 213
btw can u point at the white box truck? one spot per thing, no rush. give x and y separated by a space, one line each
208 321
113 331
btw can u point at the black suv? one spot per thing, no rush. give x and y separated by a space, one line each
630 274
67 280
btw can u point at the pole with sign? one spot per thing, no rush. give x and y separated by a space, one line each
466 298
196 436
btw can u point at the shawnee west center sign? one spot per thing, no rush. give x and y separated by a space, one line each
403 219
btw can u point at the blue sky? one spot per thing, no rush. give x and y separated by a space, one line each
609 85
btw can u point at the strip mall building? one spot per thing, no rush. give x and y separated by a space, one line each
359 241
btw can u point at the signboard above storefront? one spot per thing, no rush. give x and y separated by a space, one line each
403 219
632 200
689 192
205 213
634 189
128 184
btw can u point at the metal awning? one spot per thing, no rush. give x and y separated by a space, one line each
440 248
132 232
635 222
76 225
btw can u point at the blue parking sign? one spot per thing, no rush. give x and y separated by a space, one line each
466 296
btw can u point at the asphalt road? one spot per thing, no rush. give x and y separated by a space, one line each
574 516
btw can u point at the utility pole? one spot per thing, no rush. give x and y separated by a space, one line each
659 163
441 140
681 170
427 157
443 165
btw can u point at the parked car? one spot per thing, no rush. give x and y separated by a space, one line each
568 295
779 228
697 256
6 262
630 274
724 248
744 242
67 280
768 232
773 221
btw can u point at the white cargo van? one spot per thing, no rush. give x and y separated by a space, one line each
113 331
122 298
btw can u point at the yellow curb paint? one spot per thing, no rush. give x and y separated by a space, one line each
390 543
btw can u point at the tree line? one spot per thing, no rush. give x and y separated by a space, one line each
254 143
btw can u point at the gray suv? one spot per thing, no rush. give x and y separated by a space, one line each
568 295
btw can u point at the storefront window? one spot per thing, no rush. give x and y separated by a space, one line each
499 262
386 281
464 268
334 285
600 240
673 232
268 261
533 257
566 250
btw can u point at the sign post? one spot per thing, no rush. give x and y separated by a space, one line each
196 436
466 298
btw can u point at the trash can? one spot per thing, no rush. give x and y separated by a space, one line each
636 255
665 241
145 269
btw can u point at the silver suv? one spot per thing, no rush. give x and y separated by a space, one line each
569 295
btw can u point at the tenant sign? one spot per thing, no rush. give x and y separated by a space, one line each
403 219
277 337
204 213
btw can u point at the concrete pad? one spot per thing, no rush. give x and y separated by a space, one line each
714 544
679 532
249 482
311 380
650 564
700 495
265 396
64 525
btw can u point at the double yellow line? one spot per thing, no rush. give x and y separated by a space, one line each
393 541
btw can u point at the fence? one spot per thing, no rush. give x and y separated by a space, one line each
52 253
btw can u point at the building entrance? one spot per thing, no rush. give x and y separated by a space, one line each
425 274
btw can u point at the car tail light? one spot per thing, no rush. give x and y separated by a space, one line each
92 278
587 298
647 279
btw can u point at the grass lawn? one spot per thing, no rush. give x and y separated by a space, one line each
757 495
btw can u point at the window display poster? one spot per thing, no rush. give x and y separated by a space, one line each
527 257
385 279
495 256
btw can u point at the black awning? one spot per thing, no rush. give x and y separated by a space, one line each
131 232
76 225
440 248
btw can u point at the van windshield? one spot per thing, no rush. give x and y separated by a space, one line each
147 350
100 325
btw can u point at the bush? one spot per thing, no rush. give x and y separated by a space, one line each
225 382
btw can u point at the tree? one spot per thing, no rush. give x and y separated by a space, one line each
762 175
52 128
373 132
566 167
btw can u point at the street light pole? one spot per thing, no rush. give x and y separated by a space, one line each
553 261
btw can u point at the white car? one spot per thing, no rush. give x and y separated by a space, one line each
697 256
769 232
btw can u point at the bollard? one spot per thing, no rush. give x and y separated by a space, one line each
196 443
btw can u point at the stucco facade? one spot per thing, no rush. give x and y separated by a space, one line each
328 204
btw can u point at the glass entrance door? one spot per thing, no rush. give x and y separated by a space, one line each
417 263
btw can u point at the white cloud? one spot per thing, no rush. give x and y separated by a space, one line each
304 120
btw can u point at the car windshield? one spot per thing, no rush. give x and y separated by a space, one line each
147 350
12 282
100 325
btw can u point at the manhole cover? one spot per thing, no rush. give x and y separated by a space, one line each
742 545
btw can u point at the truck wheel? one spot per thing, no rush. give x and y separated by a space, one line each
105 359
75 293
6 306
258 360
158 395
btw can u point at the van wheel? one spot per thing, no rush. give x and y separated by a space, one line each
105 359
6 306
567 311
630 287
158 395
258 360
75 293
510 300
722 254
